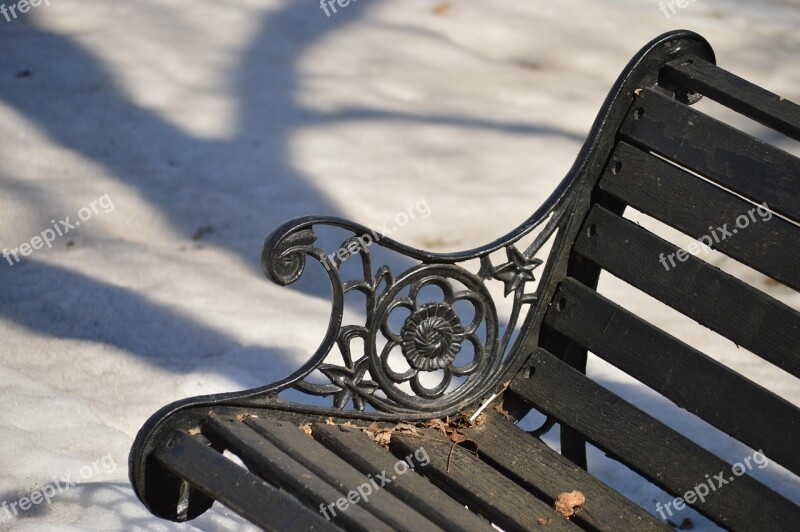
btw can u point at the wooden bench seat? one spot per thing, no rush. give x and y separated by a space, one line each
397 449
440 486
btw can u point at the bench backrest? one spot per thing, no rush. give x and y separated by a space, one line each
648 150
733 193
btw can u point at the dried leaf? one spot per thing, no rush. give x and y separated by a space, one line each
544 521
462 421
329 421
638 92
382 436
306 427
567 502
383 439
405 428
456 437
466 416
442 9
437 424
480 419
502 411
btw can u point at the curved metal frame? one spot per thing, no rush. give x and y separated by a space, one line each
433 333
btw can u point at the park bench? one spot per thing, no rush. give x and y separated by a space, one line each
418 430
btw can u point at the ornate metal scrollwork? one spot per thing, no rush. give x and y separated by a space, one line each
445 351
432 336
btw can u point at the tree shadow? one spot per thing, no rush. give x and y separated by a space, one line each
73 98
63 304
117 499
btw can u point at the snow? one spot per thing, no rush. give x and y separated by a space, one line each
239 115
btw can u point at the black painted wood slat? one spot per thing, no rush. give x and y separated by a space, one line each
236 488
713 298
478 485
713 149
738 94
702 210
655 451
338 473
269 462
357 449
691 379
531 463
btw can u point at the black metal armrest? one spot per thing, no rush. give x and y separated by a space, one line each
443 356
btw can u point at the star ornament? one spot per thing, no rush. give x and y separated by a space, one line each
517 271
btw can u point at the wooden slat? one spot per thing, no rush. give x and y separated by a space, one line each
236 488
655 451
694 381
531 463
341 475
740 95
478 485
715 299
361 452
735 160
703 210
269 462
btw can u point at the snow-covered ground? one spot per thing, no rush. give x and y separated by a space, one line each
220 119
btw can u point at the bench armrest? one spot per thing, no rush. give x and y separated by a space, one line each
422 365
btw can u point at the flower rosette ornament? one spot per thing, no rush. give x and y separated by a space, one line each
432 336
